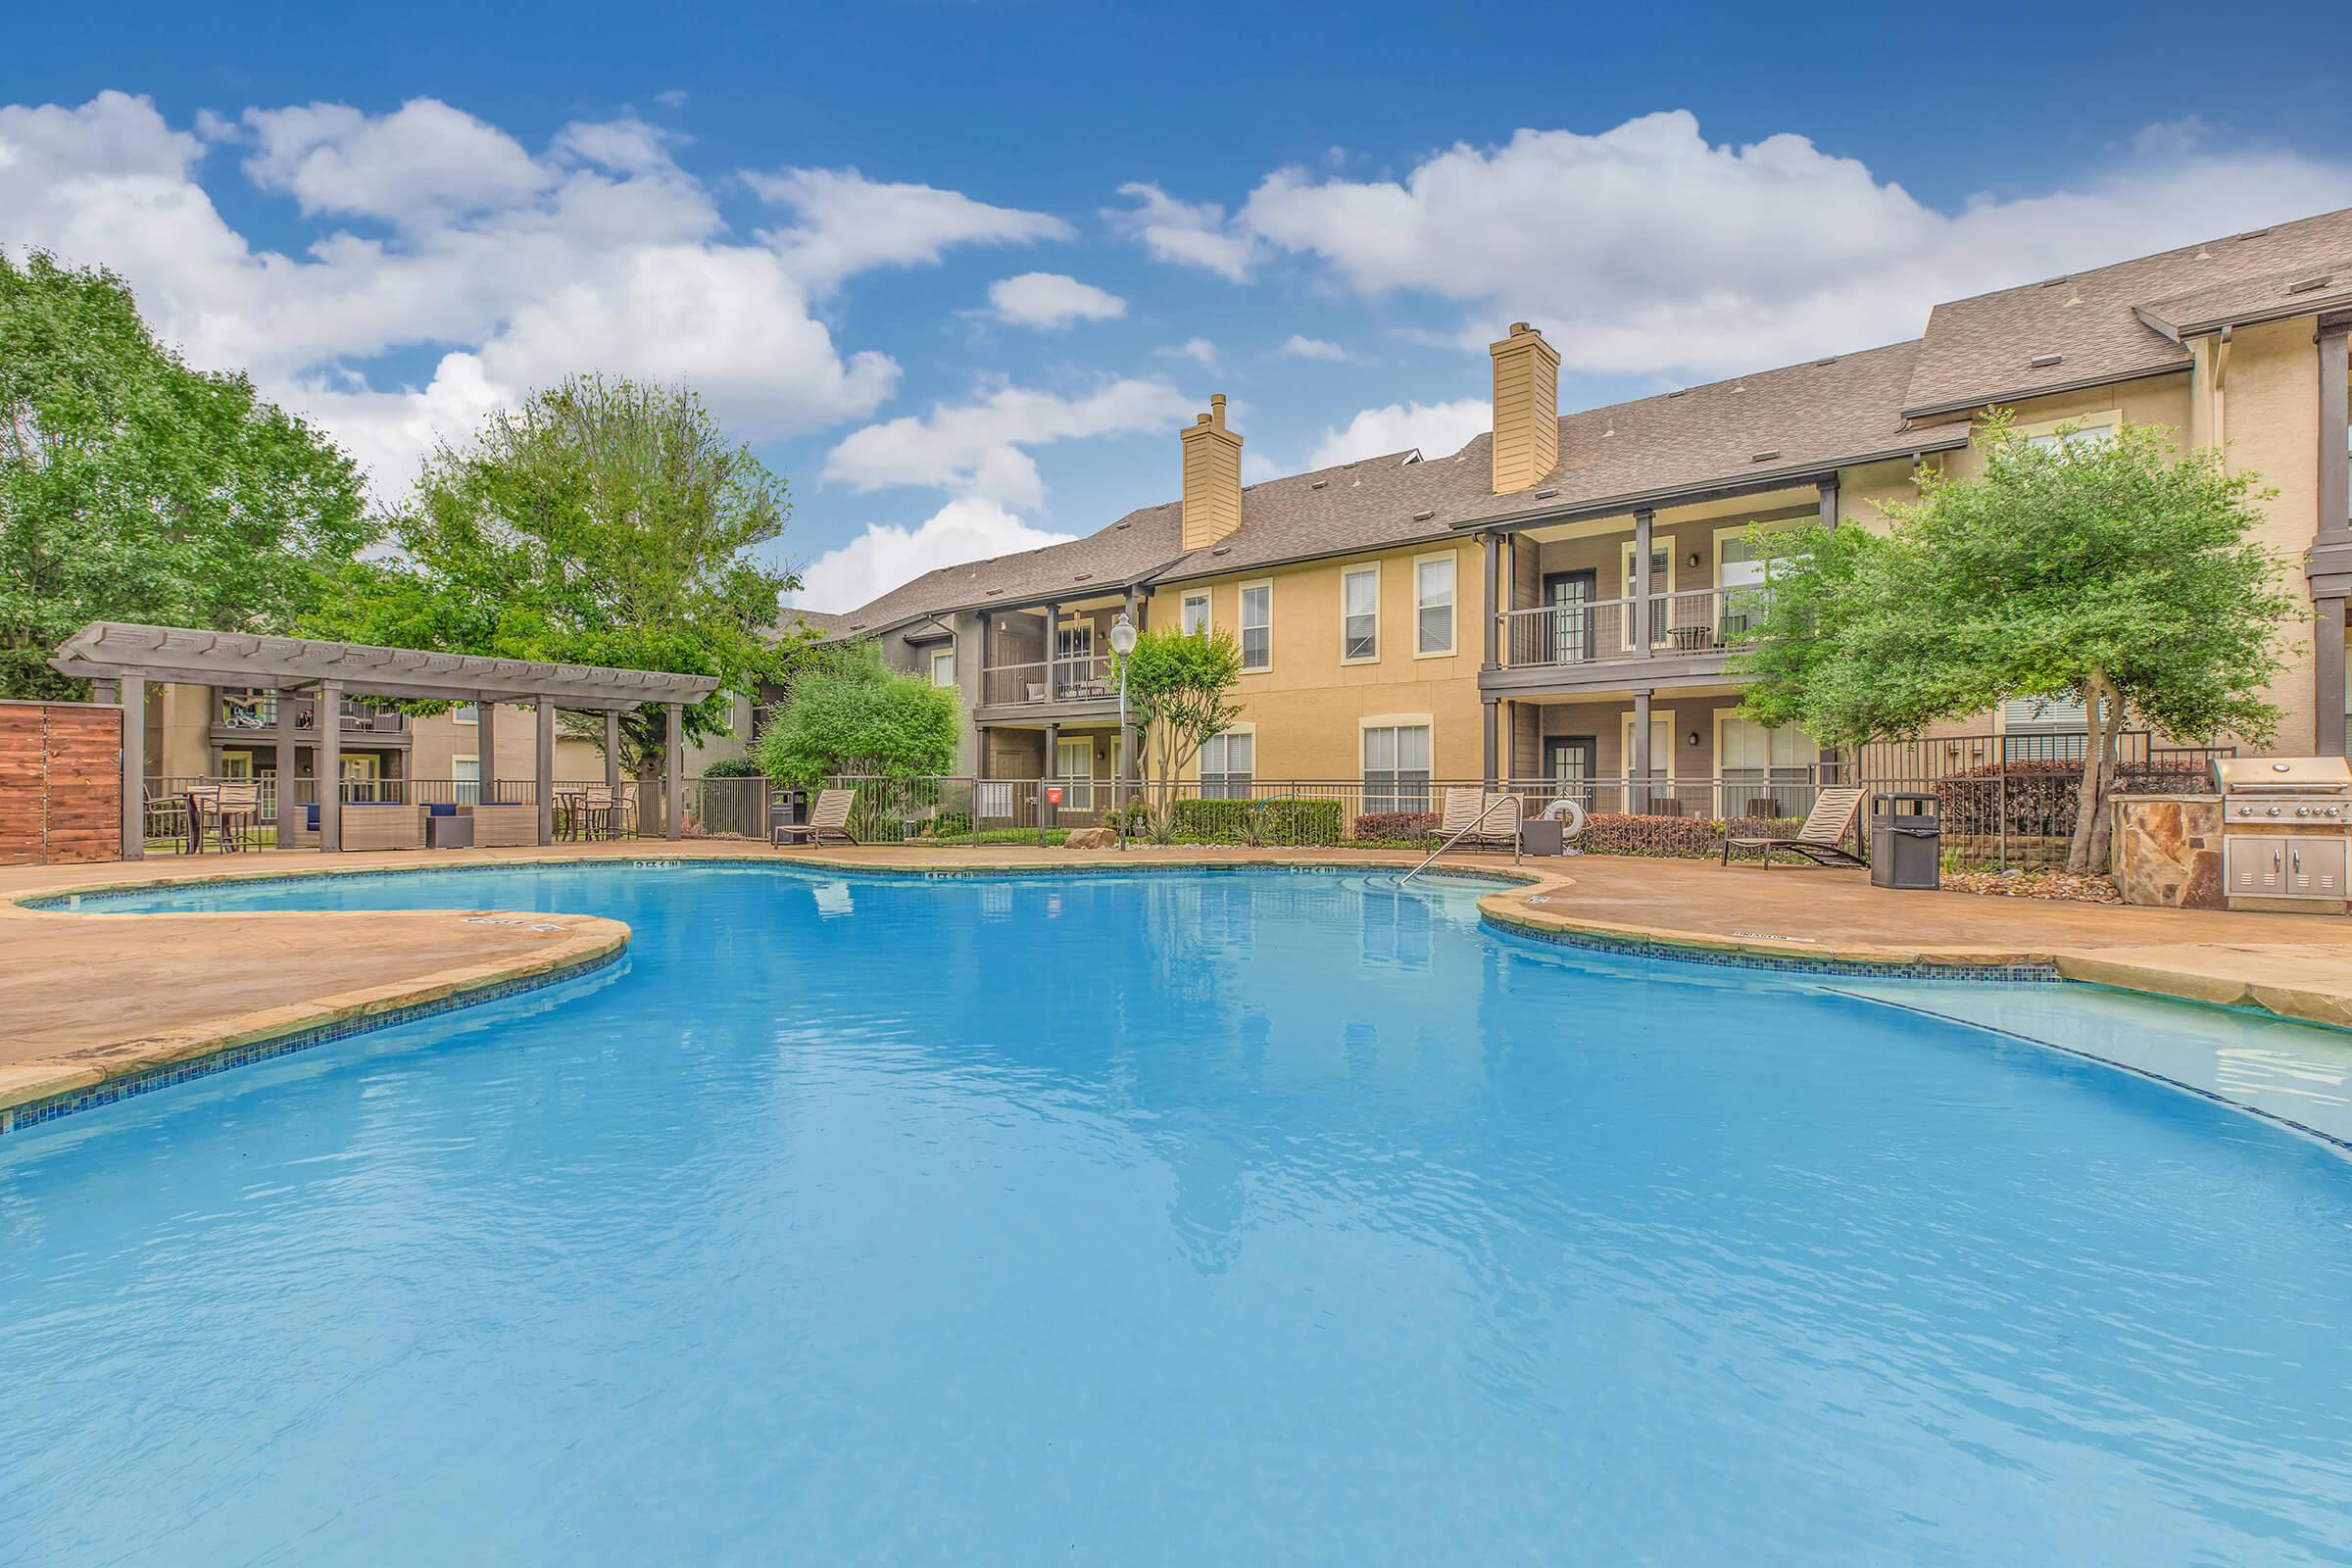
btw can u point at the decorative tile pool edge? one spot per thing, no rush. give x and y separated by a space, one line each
146 1080
2028 972
2341 1146
67 900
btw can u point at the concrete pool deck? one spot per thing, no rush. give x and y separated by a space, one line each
91 996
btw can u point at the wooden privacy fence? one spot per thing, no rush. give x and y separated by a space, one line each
61 783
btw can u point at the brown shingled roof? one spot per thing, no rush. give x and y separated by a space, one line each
2299 290
1999 347
1126 552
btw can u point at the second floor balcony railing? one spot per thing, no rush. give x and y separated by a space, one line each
1075 679
258 711
1698 620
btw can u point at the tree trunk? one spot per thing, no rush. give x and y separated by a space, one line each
2110 759
2086 808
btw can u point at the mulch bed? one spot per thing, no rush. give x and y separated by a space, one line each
2062 885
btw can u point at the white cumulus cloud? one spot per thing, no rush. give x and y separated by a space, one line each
1199 350
978 447
507 268
886 555
1192 234
1050 300
1438 429
1645 248
846 224
1298 347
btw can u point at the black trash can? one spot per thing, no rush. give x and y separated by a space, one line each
1906 842
786 808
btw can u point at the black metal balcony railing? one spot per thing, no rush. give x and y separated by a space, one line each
1696 620
1042 681
258 711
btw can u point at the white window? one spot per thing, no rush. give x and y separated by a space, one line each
1229 766
1359 616
467 772
1074 760
1396 767
1257 626
466 714
942 666
2083 435
1433 604
1196 613
1765 771
1075 641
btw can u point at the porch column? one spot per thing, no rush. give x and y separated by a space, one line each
485 742
1053 647
1641 587
2331 565
1045 775
1828 502
613 751
543 768
673 764
134 767
329 772
1494 602
1492 710
1637 762
288 811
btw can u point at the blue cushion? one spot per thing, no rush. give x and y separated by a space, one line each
438 809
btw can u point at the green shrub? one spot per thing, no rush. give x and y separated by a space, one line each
732 768
1284 822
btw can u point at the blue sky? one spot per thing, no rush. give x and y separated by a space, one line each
960 269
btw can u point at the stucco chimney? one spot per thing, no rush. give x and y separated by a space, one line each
1212 478
1527 409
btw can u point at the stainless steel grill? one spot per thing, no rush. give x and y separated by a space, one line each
2287 831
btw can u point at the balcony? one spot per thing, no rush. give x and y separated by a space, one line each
253 716
1689 633
1054 688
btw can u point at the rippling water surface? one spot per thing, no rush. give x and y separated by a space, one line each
1186 1219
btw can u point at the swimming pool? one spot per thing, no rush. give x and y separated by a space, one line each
1240 1216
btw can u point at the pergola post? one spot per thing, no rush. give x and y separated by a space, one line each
288 806
134 767
485 745
543 770
330 767
613 751
673 768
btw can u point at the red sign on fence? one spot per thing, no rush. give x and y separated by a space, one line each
1053 794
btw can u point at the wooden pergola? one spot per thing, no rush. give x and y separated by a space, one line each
120 659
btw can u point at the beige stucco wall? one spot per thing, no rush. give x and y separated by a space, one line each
1309 710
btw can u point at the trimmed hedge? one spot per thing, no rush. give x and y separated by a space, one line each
1397 826
1677 838
1284 822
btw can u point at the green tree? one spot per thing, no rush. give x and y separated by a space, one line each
604 523
2118 572
1179 696
135 488
849 713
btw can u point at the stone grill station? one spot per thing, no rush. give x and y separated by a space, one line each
2287 832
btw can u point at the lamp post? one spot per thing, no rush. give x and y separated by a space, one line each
1122 643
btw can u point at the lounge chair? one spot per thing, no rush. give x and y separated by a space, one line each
1820 840
830 816
1480 818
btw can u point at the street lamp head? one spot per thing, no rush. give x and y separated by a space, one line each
1123 635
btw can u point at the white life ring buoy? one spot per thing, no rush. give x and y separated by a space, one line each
1575 814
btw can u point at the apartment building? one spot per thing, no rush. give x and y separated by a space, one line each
1553 603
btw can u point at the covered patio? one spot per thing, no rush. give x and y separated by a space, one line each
123 661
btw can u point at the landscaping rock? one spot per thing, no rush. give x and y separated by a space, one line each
1092 838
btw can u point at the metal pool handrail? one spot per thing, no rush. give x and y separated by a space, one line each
1477 823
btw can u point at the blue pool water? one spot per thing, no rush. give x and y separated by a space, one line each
1237 1218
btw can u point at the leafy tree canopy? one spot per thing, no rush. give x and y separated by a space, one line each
135 488
604 523
2118 572
848 713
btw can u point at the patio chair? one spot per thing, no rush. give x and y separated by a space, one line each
1481 818
1819 840
236 814
831 815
